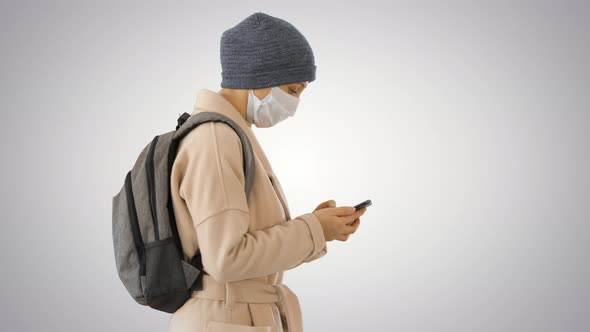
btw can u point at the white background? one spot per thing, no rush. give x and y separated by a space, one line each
466 124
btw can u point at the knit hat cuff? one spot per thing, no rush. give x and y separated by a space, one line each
258 80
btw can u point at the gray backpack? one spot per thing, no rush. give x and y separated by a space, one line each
148 252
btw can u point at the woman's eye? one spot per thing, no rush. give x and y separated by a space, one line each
293 91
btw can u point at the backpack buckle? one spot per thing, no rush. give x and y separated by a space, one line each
182 119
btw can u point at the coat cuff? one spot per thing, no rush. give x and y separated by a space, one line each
317 233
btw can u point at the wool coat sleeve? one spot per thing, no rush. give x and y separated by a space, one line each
212 185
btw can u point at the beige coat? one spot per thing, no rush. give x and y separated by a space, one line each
245 246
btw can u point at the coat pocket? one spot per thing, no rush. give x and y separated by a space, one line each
216 326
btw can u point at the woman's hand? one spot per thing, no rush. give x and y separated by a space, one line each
326 204
338 222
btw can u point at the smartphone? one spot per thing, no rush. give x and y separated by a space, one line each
362 205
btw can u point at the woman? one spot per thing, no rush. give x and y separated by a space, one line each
246 245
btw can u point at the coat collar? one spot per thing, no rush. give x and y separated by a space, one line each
208 100
211 101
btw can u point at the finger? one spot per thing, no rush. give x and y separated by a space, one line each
361 212
342 237
350 218
355 222
350 229
343 210
352 223
320 206
326 204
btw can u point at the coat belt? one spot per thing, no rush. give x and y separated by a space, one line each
254 291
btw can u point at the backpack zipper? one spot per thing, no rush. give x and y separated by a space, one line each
134 224
151 182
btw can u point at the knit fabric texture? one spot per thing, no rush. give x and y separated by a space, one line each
264 51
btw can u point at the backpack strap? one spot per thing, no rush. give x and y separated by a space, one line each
187 122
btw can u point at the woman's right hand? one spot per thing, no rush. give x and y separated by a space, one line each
337 222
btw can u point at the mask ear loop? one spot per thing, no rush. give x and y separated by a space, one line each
268 96
254 103
251 107
251 91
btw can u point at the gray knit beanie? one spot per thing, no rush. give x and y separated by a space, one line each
264 51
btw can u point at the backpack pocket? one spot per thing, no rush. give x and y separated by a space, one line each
164 273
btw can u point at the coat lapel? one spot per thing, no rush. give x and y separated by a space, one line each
279 190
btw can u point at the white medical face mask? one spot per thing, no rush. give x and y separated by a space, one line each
272 109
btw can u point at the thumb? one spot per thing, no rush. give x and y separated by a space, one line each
325 204
332 203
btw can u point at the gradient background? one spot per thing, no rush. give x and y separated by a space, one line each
467 124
